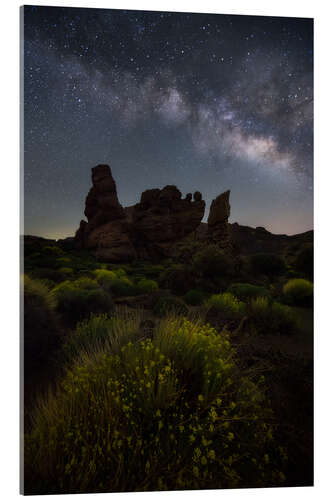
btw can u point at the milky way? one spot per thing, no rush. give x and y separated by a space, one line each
206 102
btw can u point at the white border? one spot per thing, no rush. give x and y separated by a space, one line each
9 210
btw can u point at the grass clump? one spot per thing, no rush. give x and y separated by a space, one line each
170 413
40 325
102 332
246 291
298 292
194 297
168 304
227 304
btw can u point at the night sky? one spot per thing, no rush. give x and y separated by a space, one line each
205 102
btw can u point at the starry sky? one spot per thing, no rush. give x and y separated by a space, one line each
205 102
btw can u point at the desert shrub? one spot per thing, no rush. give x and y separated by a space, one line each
194 297
227 304
246 291
86 283
122 287
298 292
65 272
169 413
260 308
168 304
284 320
272 318
147 286
64 261
40 325
120 272
178 278
52 251
115 282
102 332
269 264
76 303
105 277
304 262
211 261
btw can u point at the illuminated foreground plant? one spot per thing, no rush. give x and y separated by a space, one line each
169 413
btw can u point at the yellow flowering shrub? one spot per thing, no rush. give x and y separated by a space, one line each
169 413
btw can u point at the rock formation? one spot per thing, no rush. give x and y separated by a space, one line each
107 229
218 227
152 227
162 218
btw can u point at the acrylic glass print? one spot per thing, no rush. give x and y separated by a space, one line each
168 251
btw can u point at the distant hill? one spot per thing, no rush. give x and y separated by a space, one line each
246 240
249 240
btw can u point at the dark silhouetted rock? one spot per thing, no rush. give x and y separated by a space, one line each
218 227
148 229
162 218
107 229
249 240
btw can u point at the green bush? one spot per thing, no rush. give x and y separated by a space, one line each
120 272
40 325
284 320
75 302
168 304
104 277
86 283
272 318
298 292
304 262
269 264
64 261
116 282
212 262
172 413
227 304
52 251
147 286
65 272
178 278
194 297
123 287
245 291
